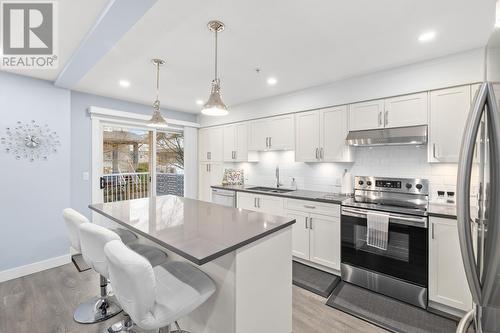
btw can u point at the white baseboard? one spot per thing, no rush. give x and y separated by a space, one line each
16 272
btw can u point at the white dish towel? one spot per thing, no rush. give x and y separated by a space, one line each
377 231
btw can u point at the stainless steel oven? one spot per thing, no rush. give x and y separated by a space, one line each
399 271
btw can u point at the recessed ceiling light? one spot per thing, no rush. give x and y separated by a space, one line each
199 102
272 81
427 36
124 83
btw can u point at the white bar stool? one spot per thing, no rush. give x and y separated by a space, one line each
93 310
154 298
93 238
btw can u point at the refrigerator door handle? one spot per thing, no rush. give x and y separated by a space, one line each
463 194
491 262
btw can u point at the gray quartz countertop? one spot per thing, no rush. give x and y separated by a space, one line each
296 194
196 230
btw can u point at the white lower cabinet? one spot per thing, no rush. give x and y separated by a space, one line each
315 237
300 235
208 174
324 240
261 203
447 281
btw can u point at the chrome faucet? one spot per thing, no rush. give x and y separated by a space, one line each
278 184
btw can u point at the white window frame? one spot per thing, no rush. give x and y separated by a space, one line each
101 117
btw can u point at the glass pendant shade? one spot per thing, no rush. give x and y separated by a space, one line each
215 106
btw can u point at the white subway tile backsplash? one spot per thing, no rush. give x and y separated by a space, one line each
387 161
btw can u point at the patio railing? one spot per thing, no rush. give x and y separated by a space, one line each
125 186
135 185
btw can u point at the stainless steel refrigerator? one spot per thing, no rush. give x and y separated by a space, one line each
478 198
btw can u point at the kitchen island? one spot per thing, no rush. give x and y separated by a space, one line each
247 254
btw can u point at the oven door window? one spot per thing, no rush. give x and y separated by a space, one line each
405 257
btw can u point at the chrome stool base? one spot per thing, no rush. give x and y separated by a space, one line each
96 309
126 325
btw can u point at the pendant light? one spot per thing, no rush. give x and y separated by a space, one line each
157 119
215 106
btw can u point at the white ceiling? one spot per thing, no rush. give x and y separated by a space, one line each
75 19
302 43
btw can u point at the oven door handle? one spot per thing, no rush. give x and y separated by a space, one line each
420 222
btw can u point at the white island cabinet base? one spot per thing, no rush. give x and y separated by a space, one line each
254 289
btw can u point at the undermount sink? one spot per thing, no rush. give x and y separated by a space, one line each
270 189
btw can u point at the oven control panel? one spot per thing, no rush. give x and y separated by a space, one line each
398 185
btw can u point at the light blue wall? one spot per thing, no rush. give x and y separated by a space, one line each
33 194
81 143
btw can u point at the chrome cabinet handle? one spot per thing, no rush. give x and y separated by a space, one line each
317 153
432 230
270 141
258 202
321 153
267 142
380 118
310 223
209 155
434 151
306 223
255 202
386 116
210 168
309 206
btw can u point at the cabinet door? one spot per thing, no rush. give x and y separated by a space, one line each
307 134
241 148
246 201
203 138
216 144
408 110
300 235
333 132
325 240
204 190
447 280
449 110
216 173
366 115
229 143
281 132
271 205
258 135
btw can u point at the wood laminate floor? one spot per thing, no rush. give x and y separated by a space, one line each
44 303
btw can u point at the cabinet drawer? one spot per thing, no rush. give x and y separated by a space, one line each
313 207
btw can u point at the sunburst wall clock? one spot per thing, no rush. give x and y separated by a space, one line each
30 141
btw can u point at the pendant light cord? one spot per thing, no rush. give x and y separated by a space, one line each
157 80
216 78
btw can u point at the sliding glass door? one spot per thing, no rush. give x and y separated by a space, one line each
128 154
170 163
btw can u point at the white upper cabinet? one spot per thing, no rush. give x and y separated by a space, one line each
275 133
320 136
366 115
400 111
448 109
407 110
333 132
236 143
210 144
281 132
307 136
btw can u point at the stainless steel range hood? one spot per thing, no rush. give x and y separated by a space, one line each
411 135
